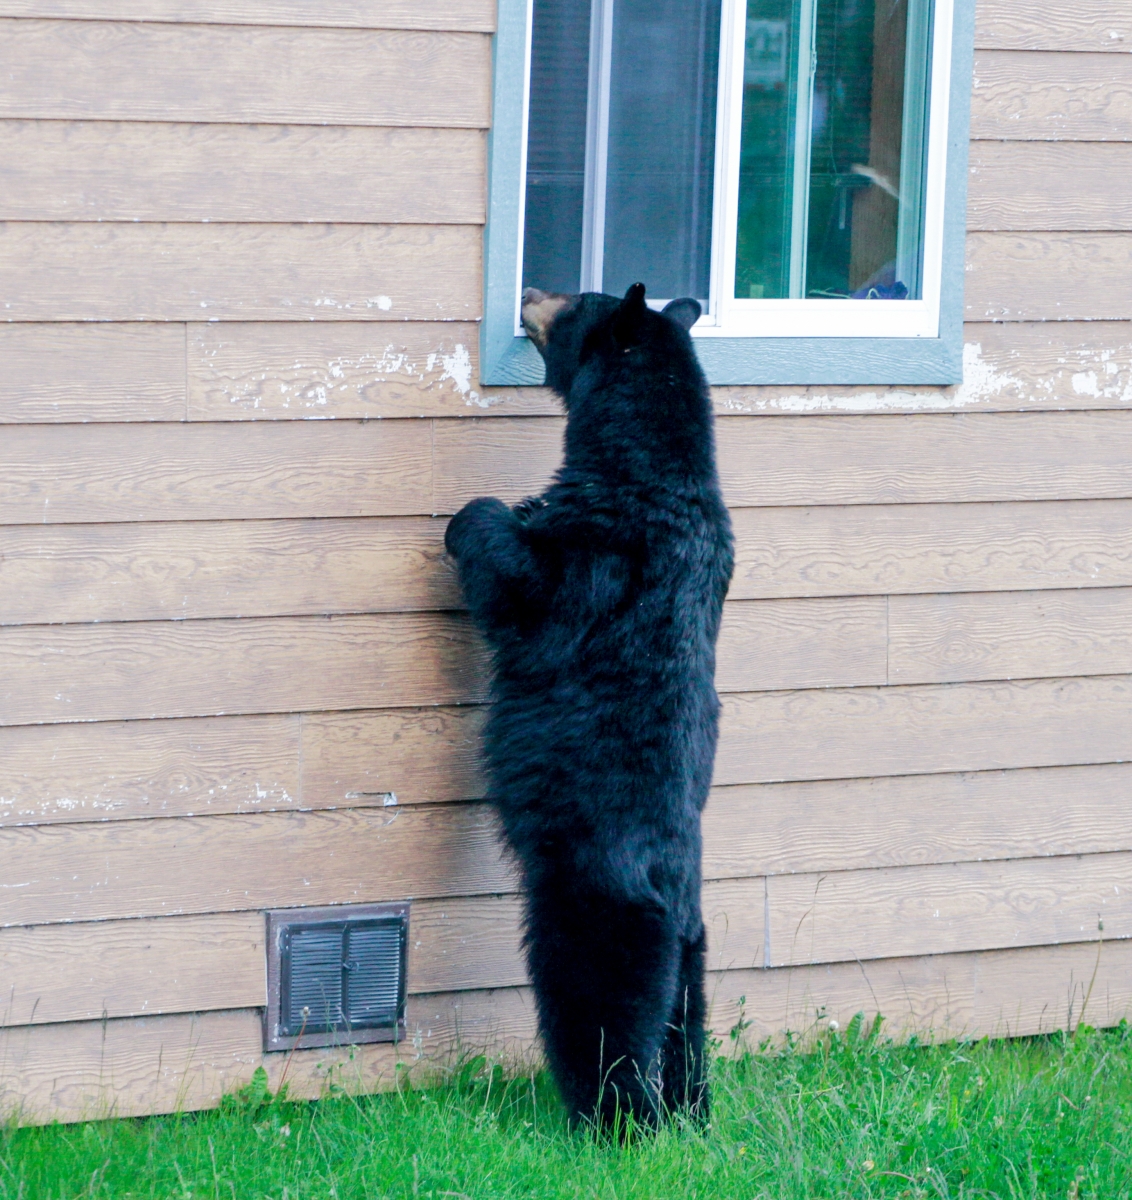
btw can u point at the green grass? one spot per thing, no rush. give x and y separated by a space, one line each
851 1116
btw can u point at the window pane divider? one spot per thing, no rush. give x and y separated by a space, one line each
803 140
597 145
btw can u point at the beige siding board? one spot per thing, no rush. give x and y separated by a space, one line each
124 770
895 548
478 15
420 755
86 972
471 942
909 820
1028 96
1009 276
354 369
120 869
69 773
92 373
143 669
735 920
94 473
748 829
777 736
1049 186
1039 25
945 909
66 271
834 459
858 732
1062 364
171 1063
509 459
195 569
894 912
996 993
157 171
91 970
82 70
131 963
240 372
904 459
148 571
936 639
139 670
1006 367
114 770
766 644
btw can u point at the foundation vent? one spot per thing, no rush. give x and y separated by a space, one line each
336 976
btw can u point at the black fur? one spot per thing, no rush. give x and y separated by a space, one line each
601 601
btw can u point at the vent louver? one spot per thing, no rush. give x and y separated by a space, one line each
336 975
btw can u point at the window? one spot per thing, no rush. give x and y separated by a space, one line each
796 165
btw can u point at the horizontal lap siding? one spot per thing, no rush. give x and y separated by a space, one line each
264 568
925 672
375 14
241 371
75 70
1064 25
154 171
83 772
1050 185
60 271
1052 96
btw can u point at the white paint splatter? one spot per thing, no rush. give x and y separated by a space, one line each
458 368
382 302
1085 383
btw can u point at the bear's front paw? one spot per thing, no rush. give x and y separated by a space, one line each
472 517
527 507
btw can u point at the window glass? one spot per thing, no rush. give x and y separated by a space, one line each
621 145
828 166
556 145
661 147
832 153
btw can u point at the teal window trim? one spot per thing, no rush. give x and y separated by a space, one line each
507 359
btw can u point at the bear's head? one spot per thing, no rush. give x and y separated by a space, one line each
571 330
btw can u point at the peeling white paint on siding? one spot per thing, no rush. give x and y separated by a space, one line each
1085 383
17 811
311 385
458 368
990 381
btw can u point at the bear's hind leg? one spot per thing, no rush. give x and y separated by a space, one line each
604 972
683 1068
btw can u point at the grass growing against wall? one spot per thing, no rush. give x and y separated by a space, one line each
854 1116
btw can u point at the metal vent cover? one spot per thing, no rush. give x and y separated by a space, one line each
336 976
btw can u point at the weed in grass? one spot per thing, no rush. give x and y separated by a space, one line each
850 1116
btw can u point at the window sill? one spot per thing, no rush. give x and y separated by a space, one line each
784 361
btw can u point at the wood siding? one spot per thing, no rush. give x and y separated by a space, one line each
240 398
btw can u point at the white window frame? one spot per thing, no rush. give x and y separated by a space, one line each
726 315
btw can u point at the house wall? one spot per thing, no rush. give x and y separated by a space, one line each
229 637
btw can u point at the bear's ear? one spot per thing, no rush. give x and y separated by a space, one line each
630 314
685 311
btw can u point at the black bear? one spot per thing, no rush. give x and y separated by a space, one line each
601 602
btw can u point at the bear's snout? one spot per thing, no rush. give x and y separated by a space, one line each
539 310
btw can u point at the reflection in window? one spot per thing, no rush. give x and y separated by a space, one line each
833 143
